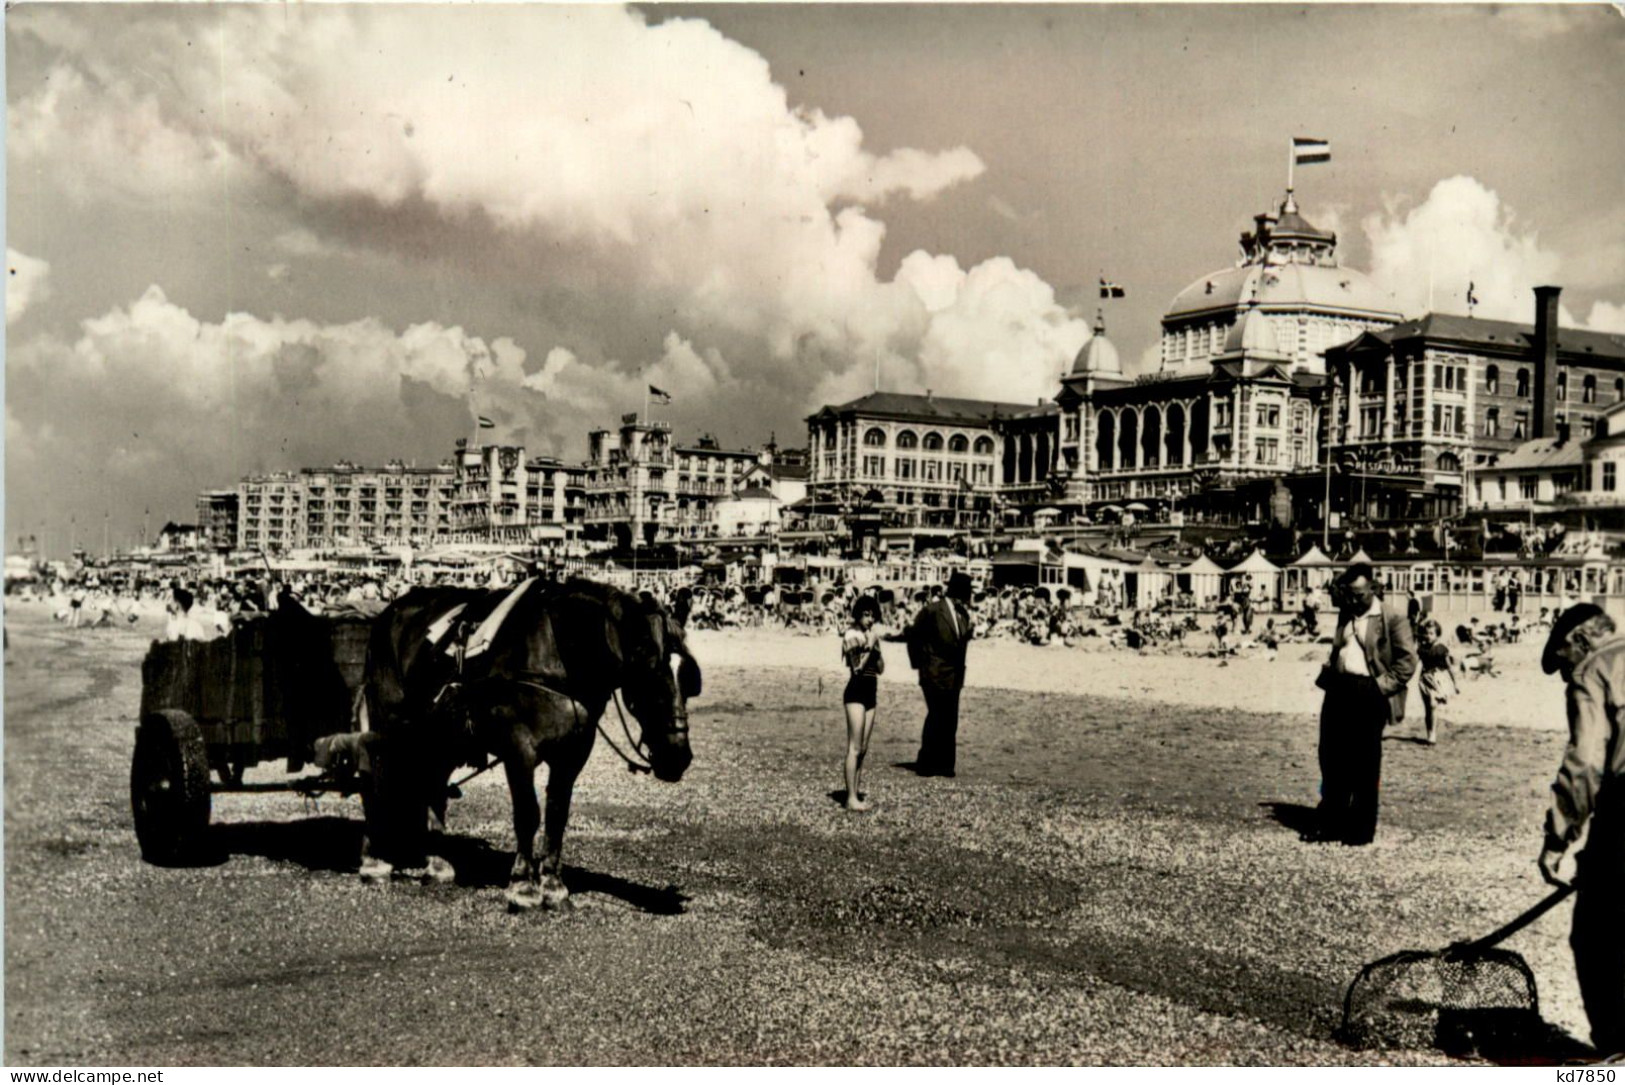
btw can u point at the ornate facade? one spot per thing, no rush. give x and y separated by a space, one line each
1239 398
1427 410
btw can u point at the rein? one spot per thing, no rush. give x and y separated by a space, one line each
632 765
640 763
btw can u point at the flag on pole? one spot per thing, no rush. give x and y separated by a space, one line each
663 397
486 423
1310 150
1110 290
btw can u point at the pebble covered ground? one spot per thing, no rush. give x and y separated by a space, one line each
1114 877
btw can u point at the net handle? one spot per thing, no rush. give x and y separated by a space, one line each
1501 934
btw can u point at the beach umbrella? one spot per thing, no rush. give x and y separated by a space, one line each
1135 506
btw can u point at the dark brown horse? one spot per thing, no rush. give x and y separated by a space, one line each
535 694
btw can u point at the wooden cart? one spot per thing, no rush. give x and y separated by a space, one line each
210 710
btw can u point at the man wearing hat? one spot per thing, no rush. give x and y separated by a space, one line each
936 648
1373 660
1585 649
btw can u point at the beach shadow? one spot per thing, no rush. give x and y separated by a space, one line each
478 865
333 844
1508 1038
1295 816
838 796
648 899
1414 740
317 843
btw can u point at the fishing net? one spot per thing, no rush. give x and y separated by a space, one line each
1462 1000
1468 999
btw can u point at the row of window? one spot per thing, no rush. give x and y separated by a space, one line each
928 470
932 442
1454 378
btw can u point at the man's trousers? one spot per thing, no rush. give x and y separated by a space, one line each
1351 724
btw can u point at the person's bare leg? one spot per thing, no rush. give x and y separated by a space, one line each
855 743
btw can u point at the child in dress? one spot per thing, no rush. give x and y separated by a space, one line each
860 651
1438 681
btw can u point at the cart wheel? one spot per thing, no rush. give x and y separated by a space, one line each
169 787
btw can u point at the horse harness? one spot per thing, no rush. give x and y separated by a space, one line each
462 632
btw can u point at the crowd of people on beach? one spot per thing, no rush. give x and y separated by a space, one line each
1376 641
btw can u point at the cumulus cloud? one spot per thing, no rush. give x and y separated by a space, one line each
1607 317
27 281
1464 234
181 402
666 153
1461 234
739 235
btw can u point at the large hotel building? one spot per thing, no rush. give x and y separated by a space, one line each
1278 377
485 493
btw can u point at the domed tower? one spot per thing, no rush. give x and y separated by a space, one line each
1099 354
1096 368
1289 271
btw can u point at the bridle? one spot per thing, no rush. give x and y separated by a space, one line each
639 760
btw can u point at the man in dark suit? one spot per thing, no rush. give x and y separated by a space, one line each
1373 660
936 648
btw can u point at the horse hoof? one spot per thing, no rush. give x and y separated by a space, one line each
375 871
524 897
440 871
556 898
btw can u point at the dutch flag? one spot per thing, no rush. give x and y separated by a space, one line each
1310 150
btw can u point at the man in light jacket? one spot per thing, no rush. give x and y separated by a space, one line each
1373 660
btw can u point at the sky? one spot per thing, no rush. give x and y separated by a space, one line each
244 238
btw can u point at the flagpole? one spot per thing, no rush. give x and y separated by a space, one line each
1291 160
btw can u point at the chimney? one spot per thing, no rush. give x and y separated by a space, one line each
1562 433
1545 349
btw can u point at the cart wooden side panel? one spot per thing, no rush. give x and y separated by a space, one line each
267 689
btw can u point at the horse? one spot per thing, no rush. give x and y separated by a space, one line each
434 701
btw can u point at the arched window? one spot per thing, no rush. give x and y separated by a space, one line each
1588 389
1449 461
907 439
1492 380
875 438
933 442
984 446
959 443
1523 383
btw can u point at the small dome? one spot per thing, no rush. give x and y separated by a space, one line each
1252 336
1098 354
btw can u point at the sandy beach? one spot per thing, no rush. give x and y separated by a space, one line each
1521 696
1115 877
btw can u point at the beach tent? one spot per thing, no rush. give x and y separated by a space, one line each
1266 576
1152 583
1313 570
1360 556
1255 563
1204 579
